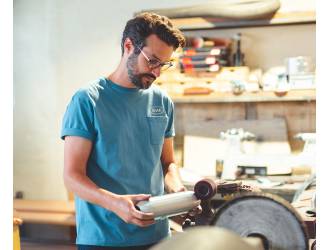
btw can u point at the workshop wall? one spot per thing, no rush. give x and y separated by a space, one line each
61 45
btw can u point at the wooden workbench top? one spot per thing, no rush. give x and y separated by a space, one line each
45 212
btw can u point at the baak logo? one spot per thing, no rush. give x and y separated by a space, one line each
157 110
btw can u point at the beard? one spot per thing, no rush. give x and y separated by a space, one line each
140 80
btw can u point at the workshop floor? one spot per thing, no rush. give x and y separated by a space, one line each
46 246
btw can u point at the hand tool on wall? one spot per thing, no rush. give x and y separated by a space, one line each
238 57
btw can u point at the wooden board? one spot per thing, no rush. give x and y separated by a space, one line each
45 212
280 18
189 115
261 96
47 218
299 116
270 130
50 206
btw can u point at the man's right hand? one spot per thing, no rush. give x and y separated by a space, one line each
124 207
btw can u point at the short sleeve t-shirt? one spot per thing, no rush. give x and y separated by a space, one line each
127 127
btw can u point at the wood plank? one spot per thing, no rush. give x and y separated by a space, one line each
65 219
280 18
47 206
186 114
261 96
265 129
282 190
300 118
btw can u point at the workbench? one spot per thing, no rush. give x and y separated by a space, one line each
63 212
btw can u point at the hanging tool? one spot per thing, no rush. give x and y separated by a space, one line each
238 57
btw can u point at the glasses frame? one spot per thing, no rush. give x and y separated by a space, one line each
160 64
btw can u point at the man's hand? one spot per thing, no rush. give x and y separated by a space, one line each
124 207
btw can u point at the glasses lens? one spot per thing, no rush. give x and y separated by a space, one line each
154 64
166 66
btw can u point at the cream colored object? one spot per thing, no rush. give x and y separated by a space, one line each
232 9
210 238
169 204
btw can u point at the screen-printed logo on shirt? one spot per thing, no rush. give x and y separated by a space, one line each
157 110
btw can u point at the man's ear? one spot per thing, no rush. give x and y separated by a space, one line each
128 46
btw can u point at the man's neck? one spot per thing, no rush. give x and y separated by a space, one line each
120 77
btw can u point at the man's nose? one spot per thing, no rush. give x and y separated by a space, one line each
156 71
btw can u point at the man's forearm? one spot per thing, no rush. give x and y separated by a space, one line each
86 189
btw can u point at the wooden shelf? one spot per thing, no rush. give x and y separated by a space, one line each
280 18
45 211
265 96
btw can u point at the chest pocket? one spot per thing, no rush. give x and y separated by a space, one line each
157 127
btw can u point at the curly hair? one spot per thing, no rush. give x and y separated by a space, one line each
145 24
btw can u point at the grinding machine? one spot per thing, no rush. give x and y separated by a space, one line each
267 218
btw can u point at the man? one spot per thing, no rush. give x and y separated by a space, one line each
118 136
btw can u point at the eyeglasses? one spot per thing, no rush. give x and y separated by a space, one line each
154 63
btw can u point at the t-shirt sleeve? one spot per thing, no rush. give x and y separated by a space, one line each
78 119
170 131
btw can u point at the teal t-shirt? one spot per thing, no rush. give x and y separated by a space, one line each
127 127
